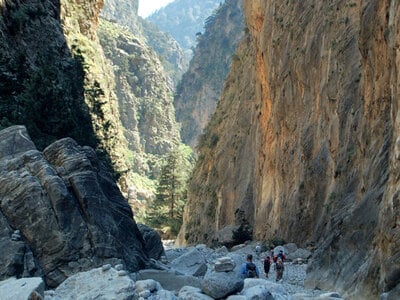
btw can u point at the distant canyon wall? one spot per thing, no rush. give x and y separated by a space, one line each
304 143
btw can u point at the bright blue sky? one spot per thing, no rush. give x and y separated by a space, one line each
146 7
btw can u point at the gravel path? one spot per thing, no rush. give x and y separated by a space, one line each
293 276
293 279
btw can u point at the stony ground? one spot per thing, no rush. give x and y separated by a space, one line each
293 276
293 279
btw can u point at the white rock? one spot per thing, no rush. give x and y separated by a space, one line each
299 253
290 248
122 273
192 293
169 279
224 264
148 284
274 288
236 297
145 294
329 296
15 289
190 263
165 295
95 284
221 284
258 292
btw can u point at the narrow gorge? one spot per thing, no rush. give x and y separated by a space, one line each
304 142
291 109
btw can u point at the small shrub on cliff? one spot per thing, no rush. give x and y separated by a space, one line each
276 242
242 234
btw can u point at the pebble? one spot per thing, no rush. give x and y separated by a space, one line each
106 267
122 273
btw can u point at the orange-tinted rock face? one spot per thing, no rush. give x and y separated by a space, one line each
304 140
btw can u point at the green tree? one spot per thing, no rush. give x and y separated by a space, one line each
165 212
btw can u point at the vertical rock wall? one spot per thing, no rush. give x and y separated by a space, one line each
316 161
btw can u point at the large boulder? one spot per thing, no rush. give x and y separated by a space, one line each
66 206
99 283
169 280
190 263
16 258
222 284
299 253
153 244
192 293
24 288
258 292
264 289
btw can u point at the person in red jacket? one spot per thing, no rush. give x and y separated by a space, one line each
267 265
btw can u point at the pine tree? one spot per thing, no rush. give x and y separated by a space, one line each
167 208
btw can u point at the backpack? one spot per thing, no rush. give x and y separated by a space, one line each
251 270
279 266
282 256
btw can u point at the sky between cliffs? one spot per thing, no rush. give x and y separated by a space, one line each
147 7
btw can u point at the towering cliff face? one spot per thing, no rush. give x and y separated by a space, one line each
54 78
197 94
144 98
183 19
124 13
79 22
304 142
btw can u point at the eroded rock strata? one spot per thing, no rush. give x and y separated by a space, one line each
67 208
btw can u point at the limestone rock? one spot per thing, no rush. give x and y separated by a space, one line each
299 253
258 292
192 293
196 101
169 280
275 289
67 208
153 244
148 284
224 264
290 248
24 288
165 295
300 106
225 235
237 297
95 284
190 263
221 284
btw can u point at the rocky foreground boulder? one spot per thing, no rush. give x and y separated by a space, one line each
61 212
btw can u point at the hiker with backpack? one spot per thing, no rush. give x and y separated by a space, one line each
282 255
249 269
279 268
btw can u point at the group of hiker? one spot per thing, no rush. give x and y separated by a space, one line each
250 270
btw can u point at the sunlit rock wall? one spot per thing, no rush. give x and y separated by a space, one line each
303 145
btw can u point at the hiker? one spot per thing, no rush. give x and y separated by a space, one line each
249 269
267 265
279 268
282 255
258 250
